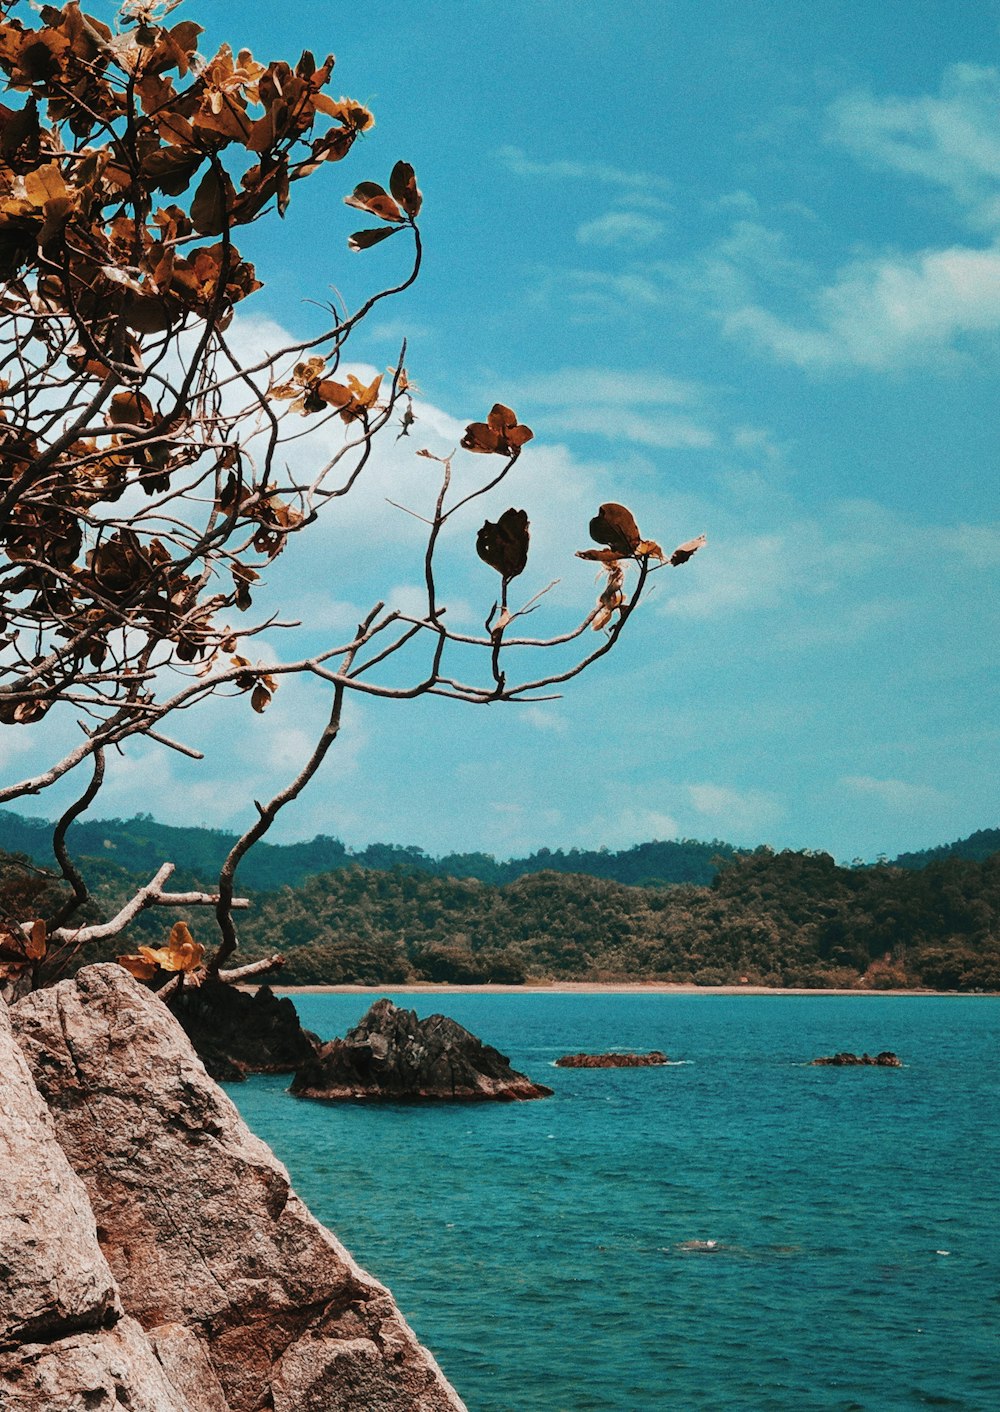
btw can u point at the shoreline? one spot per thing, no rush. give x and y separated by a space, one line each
604 988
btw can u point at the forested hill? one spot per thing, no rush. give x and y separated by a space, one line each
785 919
978 846
139 845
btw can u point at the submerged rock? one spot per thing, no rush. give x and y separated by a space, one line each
393 1055
236 1032
612 1060
885 1060
242 1300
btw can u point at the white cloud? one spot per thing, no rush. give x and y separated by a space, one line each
619 405
608 385
735 812
620 228
631 824
886 312
951 139
602 173
897 795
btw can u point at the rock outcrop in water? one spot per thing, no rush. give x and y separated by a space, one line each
393 1055
885 1060
154 1256
612 1060
237 1032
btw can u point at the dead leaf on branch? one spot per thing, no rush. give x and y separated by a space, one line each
258 681
615 526
399 209
36 943
504 545
403 185
181 953
501 433
19 945
369 196
683 552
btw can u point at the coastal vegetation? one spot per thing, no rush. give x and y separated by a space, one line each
763 918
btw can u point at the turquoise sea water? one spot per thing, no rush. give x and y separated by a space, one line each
536 1248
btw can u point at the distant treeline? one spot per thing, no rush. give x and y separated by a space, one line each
783 919
139 845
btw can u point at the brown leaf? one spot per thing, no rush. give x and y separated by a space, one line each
683 552
365 239
36 942
614 525
349 114
139 967
181 953
612 597
369 196
260 698
599 556
212 202
500 433
403 185
504 545
131 409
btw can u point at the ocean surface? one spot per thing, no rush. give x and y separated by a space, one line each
539 1248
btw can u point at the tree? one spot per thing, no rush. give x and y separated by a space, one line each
143 487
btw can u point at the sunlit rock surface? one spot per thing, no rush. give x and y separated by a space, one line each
248 1301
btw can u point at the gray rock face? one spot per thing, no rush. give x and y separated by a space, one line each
214 1254
64 1343
393 1055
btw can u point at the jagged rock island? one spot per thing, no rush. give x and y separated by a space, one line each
612 1060
393 1055
885 1060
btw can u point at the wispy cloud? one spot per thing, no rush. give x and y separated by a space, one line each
601 173
887 309
734 812
885 313
898 795
628 229
951 139
645 408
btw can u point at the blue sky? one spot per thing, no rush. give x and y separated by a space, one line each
739 267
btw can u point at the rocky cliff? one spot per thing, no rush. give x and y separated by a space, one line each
153 1255
391 1054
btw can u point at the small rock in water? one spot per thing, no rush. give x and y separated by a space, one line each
885 1060
612 1060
